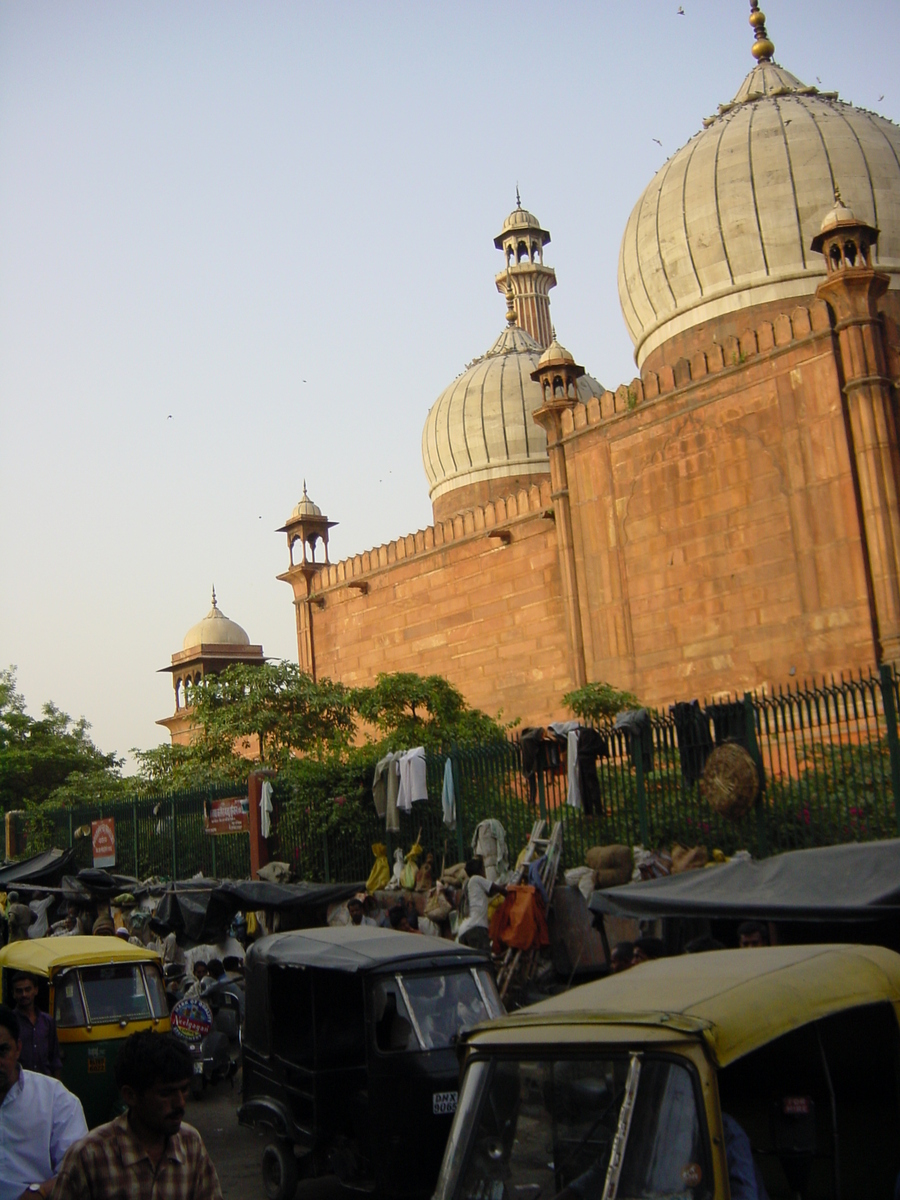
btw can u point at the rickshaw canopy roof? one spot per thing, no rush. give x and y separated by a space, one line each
355 948
853 882
736 1000
45 956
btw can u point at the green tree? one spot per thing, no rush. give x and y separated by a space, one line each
599 702
411 710
50 759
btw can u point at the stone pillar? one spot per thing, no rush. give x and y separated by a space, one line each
557 373
852 290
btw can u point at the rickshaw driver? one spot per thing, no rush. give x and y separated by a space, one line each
39 1120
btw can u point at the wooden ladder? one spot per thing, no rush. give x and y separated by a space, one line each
518 965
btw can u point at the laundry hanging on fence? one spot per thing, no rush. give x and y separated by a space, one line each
448 796
541 751
639 736
412 778
385 789
265 809
694 741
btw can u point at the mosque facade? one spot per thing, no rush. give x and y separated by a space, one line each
726 520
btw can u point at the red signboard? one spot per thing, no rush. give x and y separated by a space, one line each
103 842
227 816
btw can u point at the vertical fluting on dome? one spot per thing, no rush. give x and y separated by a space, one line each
522 241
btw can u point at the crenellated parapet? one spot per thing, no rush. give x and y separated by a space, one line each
787 329
500 516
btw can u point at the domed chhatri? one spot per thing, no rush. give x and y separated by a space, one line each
480 441
215 630
305 507
728 222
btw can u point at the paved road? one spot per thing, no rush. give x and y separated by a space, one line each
237 1151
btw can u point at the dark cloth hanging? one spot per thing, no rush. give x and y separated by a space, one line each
639 733
694 741
591 746
729 723
540 753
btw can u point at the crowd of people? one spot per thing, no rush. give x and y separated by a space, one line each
625 955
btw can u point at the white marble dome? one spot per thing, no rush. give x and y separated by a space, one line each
728 222
481 428
215 630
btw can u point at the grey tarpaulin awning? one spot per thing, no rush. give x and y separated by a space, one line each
47 868
203 909
855 882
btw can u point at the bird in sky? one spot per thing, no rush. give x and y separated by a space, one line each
658 142
680 11
881 97
169 417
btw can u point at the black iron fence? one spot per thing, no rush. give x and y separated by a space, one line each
828 754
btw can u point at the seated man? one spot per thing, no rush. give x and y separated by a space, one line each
39 1120
147 1152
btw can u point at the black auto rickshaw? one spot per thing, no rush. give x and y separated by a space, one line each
349 1057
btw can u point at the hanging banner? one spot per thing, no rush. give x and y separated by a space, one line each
231 815
103 842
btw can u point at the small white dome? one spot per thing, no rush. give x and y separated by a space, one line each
481 427
305 507
215 630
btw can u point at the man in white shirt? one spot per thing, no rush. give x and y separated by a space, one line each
39 1120
473 930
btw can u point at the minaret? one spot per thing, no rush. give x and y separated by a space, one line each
852 289
522 241
306 527
558 373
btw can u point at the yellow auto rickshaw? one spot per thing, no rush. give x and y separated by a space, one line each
681 1074
100 990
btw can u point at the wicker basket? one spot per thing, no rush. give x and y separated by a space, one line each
730 781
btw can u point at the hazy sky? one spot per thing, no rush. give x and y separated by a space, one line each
275 221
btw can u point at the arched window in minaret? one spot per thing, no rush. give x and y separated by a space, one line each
522 252
177 694
535 252
850 252
559 390
835 255
510 254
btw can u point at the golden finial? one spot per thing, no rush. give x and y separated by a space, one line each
214 596
839 203
511 316
762 48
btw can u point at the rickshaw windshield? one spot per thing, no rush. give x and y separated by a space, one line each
530 1130
427 1011
112 992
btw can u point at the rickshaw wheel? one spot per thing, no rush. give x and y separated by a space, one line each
279 1171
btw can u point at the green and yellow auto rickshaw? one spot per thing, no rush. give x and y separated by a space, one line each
100 990
683 1076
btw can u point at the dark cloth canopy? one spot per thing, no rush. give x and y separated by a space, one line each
203 909
47 868
855 882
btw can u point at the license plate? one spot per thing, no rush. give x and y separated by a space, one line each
444 1102
198 1068
96 1065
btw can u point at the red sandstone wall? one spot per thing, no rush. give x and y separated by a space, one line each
715 524
451 600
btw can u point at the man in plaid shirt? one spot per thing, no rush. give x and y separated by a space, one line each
147 1154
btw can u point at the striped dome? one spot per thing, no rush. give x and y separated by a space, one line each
727 223
481 428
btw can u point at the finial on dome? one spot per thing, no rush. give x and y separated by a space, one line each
518 197
214 596
762 49
512 317
838 200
